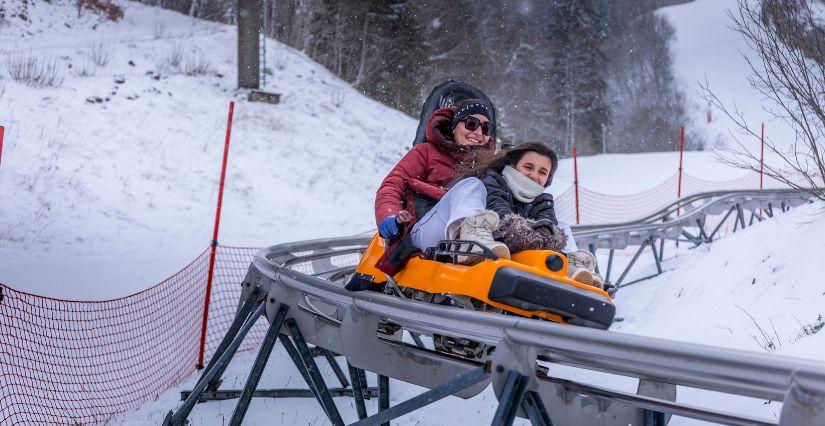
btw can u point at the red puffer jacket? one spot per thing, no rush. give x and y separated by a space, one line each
425 170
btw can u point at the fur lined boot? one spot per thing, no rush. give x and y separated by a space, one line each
581 265
479 228
519 234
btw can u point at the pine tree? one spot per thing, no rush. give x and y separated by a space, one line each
575 35
403 70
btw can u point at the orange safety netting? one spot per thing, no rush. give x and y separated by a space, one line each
82 362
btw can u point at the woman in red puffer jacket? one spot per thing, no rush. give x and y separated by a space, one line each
418 181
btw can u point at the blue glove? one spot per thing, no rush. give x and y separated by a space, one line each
388 228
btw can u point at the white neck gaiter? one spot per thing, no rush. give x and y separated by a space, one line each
524 189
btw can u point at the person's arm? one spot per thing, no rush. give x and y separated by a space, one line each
499 198
392 193
426 189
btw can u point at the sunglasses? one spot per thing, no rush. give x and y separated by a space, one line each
472 123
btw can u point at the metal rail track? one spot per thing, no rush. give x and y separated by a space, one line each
302 283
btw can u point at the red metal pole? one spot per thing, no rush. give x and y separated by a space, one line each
576 181
2 131
761 158
681 156
214 244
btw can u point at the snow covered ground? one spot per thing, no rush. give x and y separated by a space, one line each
109 183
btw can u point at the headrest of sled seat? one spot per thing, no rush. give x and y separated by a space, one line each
449 94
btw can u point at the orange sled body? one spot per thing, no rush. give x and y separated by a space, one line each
532 284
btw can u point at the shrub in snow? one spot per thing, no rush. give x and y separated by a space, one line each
85 68
198 64
101 54
174 56
112 11
35 71
160 30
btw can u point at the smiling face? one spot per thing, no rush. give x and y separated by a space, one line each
465 137
535 166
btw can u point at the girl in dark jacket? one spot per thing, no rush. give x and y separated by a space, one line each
515 181
503 205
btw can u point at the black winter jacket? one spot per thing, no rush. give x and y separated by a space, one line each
500 200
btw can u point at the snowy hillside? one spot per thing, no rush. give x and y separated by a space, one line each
121 160
109 181
707 49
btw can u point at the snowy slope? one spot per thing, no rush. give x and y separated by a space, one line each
706 49
100 199
134 177
103 199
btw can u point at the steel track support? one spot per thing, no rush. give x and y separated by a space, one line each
662 248
654 418
700 222
417 339
224 394
609 265
428 397
179 417
535 409
314 374
632 262
241 316
740 215
258 368
383 395
299 364
656 256
770 209
722 222
336 368
357 391
690 239
510 400
804 403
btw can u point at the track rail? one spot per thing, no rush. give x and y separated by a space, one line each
331 317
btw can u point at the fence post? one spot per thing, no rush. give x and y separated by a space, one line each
576 181
761 157
214 243
2 131
681 155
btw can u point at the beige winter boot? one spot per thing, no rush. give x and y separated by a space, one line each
479 228
580 266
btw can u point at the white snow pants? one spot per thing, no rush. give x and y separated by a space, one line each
571 243
467 198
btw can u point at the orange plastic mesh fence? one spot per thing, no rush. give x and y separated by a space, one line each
84 362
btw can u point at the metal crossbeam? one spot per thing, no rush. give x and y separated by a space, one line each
426 398
224 394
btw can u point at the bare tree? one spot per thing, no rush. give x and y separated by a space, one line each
790 72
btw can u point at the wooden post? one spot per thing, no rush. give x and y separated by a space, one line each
214 244
576 181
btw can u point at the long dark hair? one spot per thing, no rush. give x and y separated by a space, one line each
511 157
